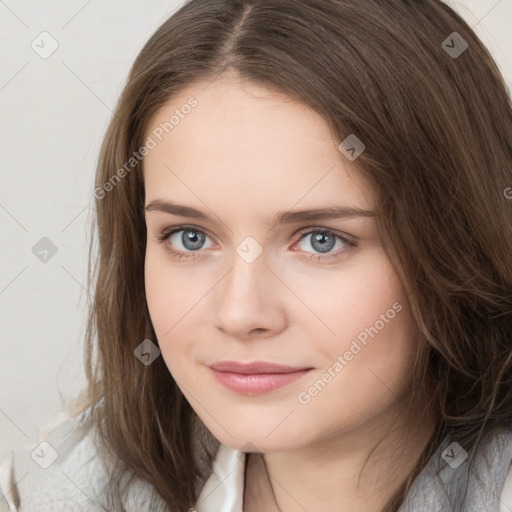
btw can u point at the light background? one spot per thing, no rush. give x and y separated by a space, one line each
54 112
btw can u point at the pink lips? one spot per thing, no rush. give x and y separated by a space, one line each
255 378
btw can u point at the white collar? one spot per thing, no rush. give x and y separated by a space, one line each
224 489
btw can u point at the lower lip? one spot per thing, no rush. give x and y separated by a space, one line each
257 384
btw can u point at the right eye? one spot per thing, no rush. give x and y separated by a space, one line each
186 239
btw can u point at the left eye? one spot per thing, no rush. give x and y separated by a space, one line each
324 241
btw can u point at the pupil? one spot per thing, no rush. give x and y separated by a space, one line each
192 240
326 242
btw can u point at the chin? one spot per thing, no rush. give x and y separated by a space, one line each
251 441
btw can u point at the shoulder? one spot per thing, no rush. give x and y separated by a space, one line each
494 466
506 494
506 491
60 473
485 482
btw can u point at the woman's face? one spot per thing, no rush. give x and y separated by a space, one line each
245 286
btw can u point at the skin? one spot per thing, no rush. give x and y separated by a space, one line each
243 154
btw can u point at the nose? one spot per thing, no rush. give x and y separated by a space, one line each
250 299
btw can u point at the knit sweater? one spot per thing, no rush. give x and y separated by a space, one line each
63 473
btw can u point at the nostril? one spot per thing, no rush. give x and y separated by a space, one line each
258 330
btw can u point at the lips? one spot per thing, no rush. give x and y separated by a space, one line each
256 378
255 368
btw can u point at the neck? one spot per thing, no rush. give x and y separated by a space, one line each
361 469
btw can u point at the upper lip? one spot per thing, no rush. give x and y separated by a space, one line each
256 367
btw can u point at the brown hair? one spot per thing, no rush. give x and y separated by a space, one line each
438 135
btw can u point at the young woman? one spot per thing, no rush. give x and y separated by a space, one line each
303 291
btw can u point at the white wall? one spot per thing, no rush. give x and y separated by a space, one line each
54 112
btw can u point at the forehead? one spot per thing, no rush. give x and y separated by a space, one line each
245 145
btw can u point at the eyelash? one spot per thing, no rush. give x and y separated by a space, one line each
164 235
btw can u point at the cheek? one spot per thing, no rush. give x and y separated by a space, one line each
155 282
174 298
367 362
171 291
362 312
352 297
166 306
375 334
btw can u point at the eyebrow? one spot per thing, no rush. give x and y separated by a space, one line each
283 217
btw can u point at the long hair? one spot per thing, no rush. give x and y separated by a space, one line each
436 121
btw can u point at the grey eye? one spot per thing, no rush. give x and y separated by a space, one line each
191 239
